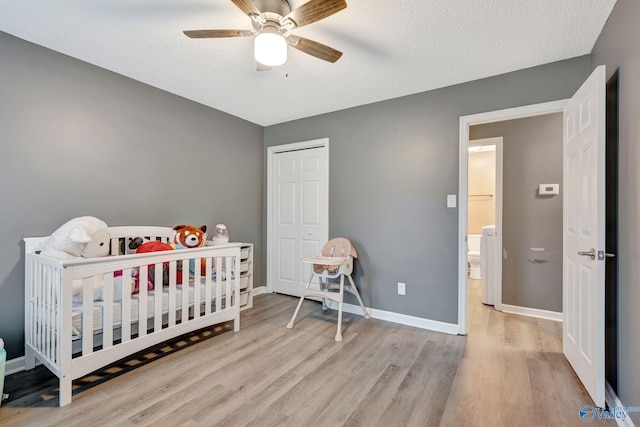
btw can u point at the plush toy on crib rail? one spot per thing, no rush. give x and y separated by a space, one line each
183 237
190 236
82 237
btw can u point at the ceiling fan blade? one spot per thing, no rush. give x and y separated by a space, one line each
313 11
247 7
212 34
316 49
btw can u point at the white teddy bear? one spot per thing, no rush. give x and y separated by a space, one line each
83 237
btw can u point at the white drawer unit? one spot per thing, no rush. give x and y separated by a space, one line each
246 276
246 273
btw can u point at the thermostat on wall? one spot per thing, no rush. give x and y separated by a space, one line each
549 189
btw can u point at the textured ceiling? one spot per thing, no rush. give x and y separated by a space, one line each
391 48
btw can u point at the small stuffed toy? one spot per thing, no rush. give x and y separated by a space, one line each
189 236
83 237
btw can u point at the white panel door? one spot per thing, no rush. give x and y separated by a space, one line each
300 215
584 233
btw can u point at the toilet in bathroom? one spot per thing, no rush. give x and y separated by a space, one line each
473 255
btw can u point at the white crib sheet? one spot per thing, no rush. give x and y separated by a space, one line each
98 307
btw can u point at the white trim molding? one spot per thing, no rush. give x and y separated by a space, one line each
260 290
613 402
463 190
403 319
16 365
532 312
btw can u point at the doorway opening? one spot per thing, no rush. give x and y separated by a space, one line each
466 122
484 219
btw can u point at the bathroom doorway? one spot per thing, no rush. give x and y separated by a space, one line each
484 219
466 123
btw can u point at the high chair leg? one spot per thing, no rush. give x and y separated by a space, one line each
322 288
357 294
295 313
340 303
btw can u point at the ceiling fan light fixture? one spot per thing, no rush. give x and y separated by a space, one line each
270 48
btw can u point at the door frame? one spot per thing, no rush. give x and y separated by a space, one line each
497 141
271 151
463 193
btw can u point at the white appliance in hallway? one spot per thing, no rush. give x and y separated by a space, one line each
488 263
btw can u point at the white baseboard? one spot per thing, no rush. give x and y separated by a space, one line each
613 402
14 365
403 319
259 290
532 312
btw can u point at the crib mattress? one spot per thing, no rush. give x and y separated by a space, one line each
98 307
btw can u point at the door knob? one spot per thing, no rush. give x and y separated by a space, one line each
591 254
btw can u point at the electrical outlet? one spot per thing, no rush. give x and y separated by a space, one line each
402 288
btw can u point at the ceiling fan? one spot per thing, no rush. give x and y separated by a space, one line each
272 20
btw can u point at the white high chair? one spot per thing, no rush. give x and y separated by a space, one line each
336 261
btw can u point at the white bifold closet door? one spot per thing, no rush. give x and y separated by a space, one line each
300 215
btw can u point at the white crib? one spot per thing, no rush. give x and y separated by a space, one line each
75 338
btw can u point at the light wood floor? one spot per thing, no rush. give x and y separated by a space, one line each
509 371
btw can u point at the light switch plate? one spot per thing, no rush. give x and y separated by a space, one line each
451 200
402 288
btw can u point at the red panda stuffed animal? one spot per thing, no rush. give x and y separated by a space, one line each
189 236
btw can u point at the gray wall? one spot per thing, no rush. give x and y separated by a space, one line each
392 164
532 156
618 49
79 140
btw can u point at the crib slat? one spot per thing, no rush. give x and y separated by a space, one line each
125 309
87 315
207 287
39 308
230 272
157 298
196 288
115 246
36 296
172 294
36 305
57 314
185 290
107 310
29 280
218 284
49 312
142 301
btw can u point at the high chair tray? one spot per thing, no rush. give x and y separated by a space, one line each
326 260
